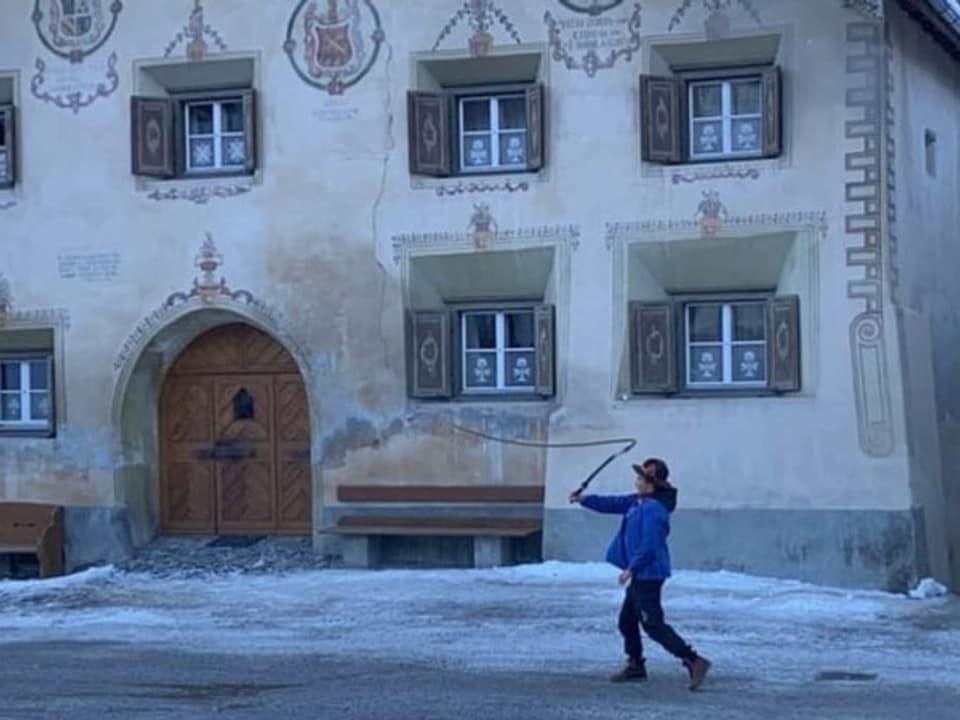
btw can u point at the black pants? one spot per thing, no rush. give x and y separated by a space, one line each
641 606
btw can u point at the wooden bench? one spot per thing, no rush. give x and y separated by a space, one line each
28 528
421 511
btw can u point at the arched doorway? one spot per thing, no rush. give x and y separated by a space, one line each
234 438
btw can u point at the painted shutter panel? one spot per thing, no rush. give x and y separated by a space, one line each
653 350
784 353
250 130
543 325
428 353
152 136
661 118
428 132
535 126
8 161
772 112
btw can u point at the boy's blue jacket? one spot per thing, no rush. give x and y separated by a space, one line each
641 543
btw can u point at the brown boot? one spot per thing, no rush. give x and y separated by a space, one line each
633 671
698 669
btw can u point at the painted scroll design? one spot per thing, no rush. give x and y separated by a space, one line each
591 61
867 107
722 173
194 36
199 195
77 99
475 187
482 16
209 287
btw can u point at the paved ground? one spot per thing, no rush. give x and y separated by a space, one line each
206 633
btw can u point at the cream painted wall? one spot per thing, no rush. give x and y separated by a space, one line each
313 238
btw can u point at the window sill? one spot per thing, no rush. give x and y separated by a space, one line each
496 400
733 394
42 433
688 171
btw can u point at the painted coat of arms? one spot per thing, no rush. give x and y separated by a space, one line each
73 30
332 45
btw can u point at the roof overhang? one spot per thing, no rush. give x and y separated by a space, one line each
940 18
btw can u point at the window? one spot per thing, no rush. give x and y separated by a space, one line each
25 393
7 146
725 118
726 344
747 343
493 133
498 351
215 136
455 133
711 116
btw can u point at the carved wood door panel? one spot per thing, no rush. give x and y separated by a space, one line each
244 453
187 483
235 438
293 454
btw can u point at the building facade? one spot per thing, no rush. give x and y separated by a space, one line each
360 230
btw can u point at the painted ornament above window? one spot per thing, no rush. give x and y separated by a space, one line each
332 44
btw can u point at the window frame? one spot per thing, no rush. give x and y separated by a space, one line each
218 134
726 117
493 99
726 342
499 312
30 427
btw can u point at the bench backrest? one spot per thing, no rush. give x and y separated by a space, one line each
441 493
23 523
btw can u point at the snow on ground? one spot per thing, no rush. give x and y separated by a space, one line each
545 617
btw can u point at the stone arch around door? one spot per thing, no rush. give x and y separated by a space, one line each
234 437
141 367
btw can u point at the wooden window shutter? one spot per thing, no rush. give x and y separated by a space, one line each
772 112
152 125
250 130
428 132
8 168
653 350
428 353
543 324
535 126
784 344
662 118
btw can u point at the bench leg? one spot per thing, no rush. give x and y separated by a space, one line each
491 551
358 551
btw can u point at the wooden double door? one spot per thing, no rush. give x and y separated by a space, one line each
235 438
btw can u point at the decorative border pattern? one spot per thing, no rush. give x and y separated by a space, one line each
532 236
194 35
721 173
471 187
867 108
200 195
816 220
336 84
207 289
76 100
481 15
591 62
891 177
595 7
